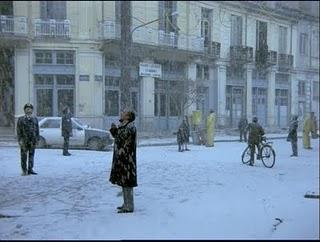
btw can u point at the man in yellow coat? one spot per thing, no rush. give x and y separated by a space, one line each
211 121
307 129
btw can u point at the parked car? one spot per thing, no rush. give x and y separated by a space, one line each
82 135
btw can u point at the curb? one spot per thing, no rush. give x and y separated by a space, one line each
154 144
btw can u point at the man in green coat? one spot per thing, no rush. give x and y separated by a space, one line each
211 121
255 136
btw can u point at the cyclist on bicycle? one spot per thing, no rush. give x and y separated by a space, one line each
255 137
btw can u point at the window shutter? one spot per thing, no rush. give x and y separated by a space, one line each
174 18
233 30
239 30
43 10
161 15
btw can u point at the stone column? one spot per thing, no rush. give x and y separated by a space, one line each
294 95
249 92
147 101
221 93
192 75
271 97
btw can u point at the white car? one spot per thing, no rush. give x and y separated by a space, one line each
82 135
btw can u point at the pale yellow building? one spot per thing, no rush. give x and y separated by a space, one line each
233 57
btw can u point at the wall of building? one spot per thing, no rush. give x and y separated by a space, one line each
86 15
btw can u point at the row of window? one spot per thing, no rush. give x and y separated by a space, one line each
53 92
54 57
168 23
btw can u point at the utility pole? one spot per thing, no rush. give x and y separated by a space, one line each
125 58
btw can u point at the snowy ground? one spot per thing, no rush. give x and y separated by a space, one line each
206 193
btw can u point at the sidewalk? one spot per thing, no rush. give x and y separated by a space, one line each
218 138
142 142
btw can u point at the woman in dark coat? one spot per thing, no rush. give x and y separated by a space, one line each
124 170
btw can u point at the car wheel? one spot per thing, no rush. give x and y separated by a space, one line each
94 144
42 143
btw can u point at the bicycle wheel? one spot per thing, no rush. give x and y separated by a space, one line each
268 156
246 156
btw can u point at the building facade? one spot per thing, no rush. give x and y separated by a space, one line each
238 58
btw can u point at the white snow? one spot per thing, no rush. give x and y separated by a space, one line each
206 193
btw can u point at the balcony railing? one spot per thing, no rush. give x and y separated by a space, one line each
52 28
241 54
265 58
168 39
190 42
13 25
109 30
214 51
285 61
272 57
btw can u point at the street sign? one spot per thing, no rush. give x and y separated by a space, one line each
149 69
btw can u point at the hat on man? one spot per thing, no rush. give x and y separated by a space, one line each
28 105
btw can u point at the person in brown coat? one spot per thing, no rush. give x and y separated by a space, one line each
124 165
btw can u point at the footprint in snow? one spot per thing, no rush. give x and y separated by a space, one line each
184 200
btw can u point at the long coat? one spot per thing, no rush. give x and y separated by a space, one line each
307 128
243 123
124 164
186 131
28 130
211 120
292 136
255 133
66 127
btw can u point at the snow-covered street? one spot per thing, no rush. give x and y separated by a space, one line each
206 193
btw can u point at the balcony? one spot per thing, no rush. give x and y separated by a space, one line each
214 51
265 58
241 54
168 39
272 57
53 29
285 61
13 26
109 30
190 43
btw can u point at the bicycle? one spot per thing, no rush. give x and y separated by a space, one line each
266 153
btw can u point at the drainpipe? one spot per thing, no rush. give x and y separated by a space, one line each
245 31
246 72
291 39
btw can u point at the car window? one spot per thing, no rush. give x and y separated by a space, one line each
74 125
51 124
78 122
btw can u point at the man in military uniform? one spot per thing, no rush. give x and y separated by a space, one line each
28 137
66 129
292 136
255 135
242 125
186 132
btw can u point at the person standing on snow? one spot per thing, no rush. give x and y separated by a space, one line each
307 129
242 125
255 137
28 137
124 166
66 129
211 120
180 138
186 132
292 136
314 132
